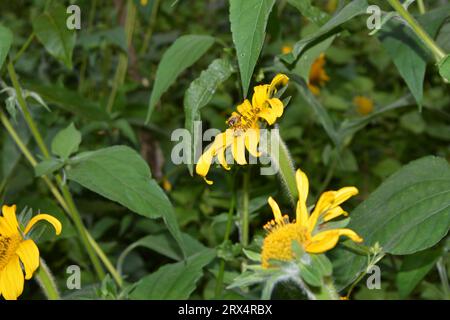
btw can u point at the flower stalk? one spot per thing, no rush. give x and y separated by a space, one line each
417 28
47 282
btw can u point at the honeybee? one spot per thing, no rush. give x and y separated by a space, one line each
234 120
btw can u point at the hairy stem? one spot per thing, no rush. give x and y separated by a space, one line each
45 279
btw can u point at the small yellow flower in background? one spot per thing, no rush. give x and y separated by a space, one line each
286 49
166 184
144 2
16 251
364 105
331 5
243 127
317 75
305 229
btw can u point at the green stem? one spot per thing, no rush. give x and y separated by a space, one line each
422 9
151 27
54 190
279 154
66 194
46 281
442 270
328 290
420 32
245 215
122 66
84 61
226 237
23 48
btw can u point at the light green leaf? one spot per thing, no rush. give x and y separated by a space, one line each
444 68
248 20
353 9
183 53
200 93
173 281
6 39
405 48
70 101
47 166
414 268
310 11
408 213
120 174
66 142
51 30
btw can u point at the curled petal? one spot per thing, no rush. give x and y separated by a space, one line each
344 194
334 213
279 79
277 106
260 96
268 115
327 240
50 219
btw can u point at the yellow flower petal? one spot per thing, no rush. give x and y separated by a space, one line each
252 141
344 194
325 202
50 219
277 106
275 209
244 108
327 240
9 214
11 279
279 79
28 253
302 188
260 96
269 115
334 213
238 150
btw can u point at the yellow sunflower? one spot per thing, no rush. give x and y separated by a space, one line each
364 105
317 75
305 229
243 127
17 251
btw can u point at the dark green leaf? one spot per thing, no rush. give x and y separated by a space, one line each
6 39
310 11
248 20
200 93
353 9
120 174
173 281
184 52
414 268
408 213
51 30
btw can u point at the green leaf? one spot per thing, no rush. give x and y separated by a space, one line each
6 39
414 268
304 63
120 174
47 166
405 48
321 113
353 9
248 20
200 93
310 11
51 30
173 281
66 142
408 213
183 53
70 101
444 68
